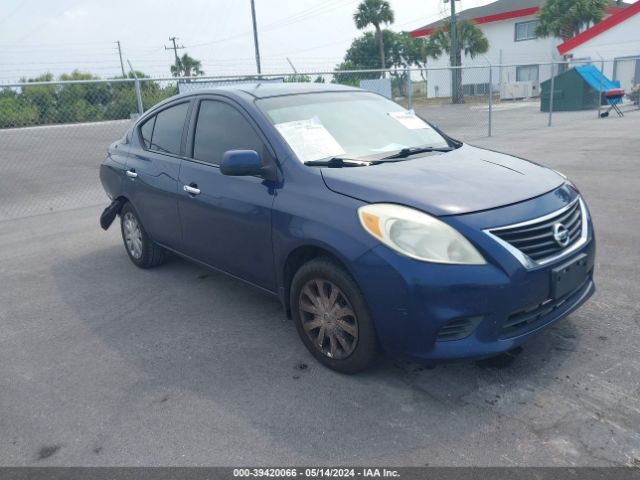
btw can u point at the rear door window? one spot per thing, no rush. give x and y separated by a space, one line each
167 129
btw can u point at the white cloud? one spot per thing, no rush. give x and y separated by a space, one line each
75 14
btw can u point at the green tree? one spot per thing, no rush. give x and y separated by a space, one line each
401 51
566 18
16 110
124 101
406 51
43 97
186 66
297 78
471 41
82 102
90 99
376 13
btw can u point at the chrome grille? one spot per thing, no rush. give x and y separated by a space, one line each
535 239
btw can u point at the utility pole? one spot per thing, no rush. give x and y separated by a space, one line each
124 75
175 48
255 36
292 66
137 89
456 74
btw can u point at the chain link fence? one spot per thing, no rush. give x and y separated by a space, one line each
53 135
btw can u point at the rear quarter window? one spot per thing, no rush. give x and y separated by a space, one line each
164 131
146 130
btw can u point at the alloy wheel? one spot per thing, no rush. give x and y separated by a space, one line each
328 319
132 235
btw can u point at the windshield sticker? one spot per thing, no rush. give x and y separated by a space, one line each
409 120
309 139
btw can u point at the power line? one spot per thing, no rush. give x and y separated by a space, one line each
321 9
14 11
283 22
313 12
43 24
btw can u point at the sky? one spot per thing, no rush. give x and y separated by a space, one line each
57 36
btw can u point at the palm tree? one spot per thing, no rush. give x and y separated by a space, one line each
471 40
186 66
566 18
376 13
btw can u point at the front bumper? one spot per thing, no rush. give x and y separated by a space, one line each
502 303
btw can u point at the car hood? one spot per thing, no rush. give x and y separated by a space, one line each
468 179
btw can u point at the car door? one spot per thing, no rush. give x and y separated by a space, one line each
153 173
227 223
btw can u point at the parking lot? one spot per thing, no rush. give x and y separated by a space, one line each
102 363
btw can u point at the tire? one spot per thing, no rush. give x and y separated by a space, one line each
331 316
141 250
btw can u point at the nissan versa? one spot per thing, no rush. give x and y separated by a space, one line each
373 228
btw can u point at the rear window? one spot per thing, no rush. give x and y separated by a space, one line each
163 132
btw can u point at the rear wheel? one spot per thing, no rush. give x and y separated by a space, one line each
331 316
141 250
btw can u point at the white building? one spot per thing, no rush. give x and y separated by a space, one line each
509 25
617 38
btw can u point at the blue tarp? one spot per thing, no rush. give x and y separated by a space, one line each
596 79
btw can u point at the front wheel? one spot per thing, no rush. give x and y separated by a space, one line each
331 317
141 250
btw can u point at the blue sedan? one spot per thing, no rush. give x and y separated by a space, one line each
376 230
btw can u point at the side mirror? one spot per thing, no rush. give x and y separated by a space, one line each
243 163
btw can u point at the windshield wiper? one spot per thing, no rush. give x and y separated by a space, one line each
337 162
407 152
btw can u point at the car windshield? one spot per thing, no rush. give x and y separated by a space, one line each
347 125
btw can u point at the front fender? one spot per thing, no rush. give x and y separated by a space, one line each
298 221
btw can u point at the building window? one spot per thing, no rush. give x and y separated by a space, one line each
527 73
526 30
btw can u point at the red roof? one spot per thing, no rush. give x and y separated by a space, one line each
497 17
599 28
525 12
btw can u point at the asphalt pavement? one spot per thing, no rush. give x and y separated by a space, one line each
102 363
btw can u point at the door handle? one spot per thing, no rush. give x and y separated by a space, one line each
191 190
131 173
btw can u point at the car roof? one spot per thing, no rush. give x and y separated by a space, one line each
275 89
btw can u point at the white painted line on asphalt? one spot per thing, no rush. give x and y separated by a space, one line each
505 106
64 125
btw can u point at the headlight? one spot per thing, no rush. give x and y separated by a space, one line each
417 235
